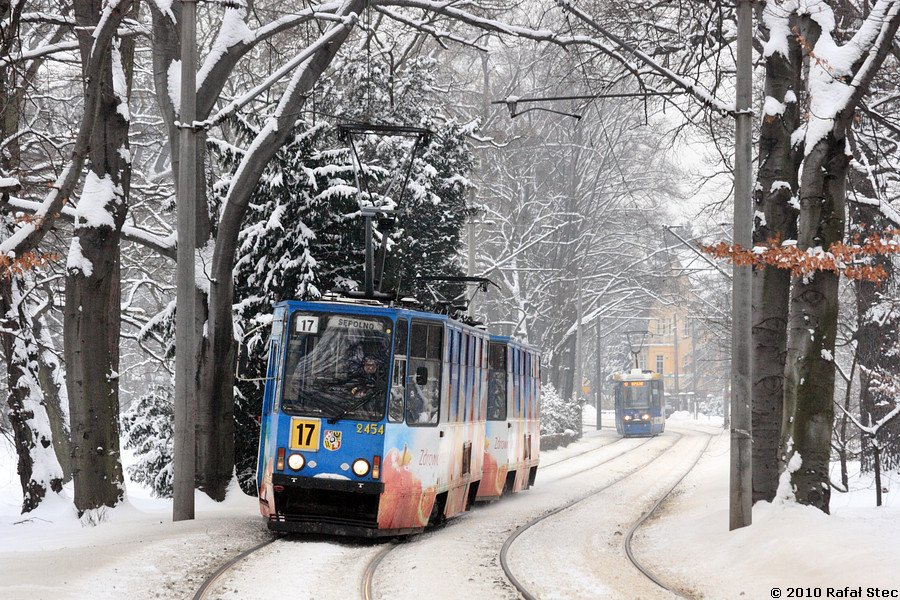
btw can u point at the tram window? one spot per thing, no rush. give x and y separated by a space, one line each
636 394
496 382
473 365
520 412
435 342
398 378
326 366
423 396
274 371
418 340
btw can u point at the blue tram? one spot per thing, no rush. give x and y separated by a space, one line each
639 403
373 418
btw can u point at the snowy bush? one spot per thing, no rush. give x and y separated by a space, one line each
559 415
148 429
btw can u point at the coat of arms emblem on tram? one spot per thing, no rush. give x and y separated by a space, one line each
331 440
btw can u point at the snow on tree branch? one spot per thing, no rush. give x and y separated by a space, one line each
30 233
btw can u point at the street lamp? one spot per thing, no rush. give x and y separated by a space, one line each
636 341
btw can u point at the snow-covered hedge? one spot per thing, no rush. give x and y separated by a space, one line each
559 416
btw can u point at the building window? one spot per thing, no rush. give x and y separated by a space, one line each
659 363
660 327
642 362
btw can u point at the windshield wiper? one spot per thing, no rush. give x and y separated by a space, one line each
345 412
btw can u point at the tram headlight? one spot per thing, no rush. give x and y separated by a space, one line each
626 418
360 467
296 461
645 417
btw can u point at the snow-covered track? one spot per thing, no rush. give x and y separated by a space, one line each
545 465
647 515
504 553
211 580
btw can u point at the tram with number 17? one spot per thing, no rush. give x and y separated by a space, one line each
639 403
375 418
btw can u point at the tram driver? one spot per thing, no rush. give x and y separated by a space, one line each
368 380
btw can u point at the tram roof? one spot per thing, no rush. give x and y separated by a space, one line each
505 339
370 307
636 375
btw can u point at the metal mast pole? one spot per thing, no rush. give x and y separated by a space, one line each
678 401
740 505
185 338
598 373
470 253
694 365
578 341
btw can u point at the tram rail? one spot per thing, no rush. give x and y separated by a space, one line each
508 544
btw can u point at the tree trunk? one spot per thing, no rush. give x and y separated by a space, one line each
777 185
27 414
34 431
810 370
92 311
877 456
55 401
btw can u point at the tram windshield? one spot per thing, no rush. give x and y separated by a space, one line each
636 394
336 366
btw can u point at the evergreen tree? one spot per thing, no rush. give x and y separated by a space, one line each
148 430
305 235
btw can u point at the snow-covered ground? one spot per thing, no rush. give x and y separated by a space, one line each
140 553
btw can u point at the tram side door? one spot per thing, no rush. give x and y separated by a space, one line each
270 391
658 414
620 426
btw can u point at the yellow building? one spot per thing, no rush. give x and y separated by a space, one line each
669 350
669 346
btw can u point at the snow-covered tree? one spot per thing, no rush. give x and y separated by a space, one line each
304 235
147 428
29 38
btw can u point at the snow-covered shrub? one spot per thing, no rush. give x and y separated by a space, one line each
148 429
559 415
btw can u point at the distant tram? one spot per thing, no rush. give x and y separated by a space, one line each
640 407
379 420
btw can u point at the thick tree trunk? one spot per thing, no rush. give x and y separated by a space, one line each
92 311
777 186
810 370
38 430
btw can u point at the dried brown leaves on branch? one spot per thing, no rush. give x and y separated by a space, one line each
839 258
12 267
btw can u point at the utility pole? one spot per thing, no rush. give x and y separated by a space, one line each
598 373
578 341
694 364
740 488
185 338
470 251
678 401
